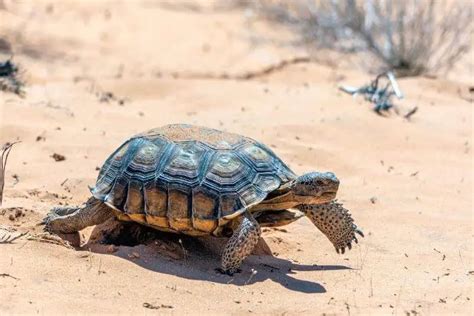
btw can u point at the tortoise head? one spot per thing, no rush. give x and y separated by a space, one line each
315 188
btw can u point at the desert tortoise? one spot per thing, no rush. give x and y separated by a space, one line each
199 181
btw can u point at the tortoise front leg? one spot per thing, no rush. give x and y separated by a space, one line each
68 220
335 222
241 244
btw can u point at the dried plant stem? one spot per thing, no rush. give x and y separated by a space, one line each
50 239
5 151
10 237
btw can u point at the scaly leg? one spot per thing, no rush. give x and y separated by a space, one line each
335 222
68 220
241 244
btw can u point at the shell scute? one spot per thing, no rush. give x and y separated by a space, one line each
156 200
227 172
179 211
134 203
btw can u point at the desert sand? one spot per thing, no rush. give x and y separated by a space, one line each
99 72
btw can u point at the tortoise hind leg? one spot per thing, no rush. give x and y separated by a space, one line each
241 244
68 220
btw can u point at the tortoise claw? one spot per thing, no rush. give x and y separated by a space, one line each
227 272
349 246
358 231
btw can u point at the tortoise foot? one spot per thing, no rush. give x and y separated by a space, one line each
229 272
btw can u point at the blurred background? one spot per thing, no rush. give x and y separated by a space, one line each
412 37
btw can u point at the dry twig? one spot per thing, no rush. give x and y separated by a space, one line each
50 239
5 151
410 113
8 237
6 275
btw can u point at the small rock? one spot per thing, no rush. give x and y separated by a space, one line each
18 213
58 157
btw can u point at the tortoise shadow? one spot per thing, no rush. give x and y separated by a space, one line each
197 258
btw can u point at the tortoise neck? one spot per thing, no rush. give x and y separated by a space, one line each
283 201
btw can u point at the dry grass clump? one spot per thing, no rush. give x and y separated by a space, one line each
410 36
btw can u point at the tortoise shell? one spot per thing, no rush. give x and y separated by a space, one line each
188 179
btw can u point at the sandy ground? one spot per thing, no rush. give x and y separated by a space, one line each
408 183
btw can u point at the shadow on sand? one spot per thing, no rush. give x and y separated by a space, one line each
197 258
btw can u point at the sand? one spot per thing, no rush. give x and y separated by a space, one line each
407 183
